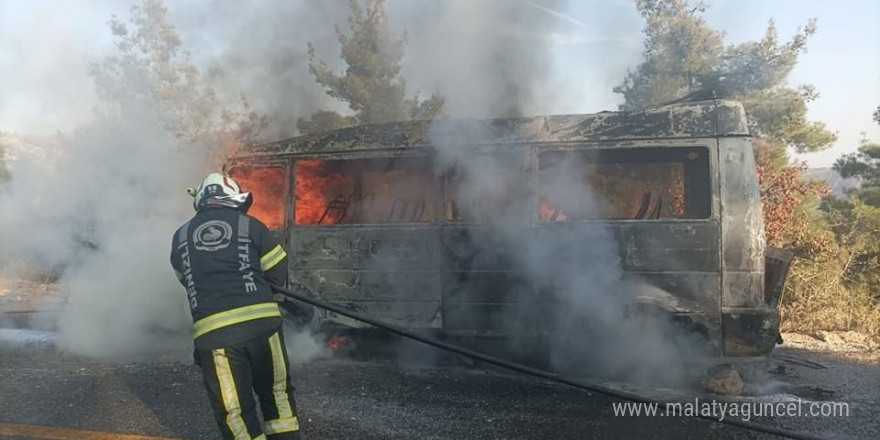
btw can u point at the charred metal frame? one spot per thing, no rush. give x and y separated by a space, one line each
713 267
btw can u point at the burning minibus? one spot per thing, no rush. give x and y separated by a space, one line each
460 227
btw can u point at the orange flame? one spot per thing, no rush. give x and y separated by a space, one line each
313 184
337 342
268 187
548 206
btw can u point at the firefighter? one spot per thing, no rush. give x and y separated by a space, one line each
226 261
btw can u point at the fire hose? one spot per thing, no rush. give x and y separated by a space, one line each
291 295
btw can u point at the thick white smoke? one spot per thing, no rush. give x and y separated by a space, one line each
105 209
261 50
102 211
488 58
303 346
572 279
103 214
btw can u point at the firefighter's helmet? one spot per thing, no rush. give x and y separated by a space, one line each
220 189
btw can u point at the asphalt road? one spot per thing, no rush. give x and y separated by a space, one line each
346 399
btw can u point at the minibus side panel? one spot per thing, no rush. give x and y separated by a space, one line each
742 225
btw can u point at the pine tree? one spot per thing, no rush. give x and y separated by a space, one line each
864 164
151 69
683 55
371 84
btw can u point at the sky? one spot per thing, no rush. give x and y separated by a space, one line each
46 46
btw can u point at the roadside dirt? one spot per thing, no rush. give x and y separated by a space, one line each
29 302
849 345
19 294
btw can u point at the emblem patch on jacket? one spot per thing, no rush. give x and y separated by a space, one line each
212 236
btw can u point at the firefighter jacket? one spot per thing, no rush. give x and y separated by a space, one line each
226 261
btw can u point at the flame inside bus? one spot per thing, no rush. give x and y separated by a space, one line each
268 186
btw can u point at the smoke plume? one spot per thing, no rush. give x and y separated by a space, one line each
261 51
303 346
102 213
573 288
488 58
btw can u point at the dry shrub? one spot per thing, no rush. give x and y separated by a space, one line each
817 298
827 288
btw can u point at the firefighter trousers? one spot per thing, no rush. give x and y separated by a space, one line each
233 374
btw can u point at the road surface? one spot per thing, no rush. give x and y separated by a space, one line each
345 399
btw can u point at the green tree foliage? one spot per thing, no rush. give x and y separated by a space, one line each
858 216
684 55
152 70
371 85
857 227
680 48
864 164
755 73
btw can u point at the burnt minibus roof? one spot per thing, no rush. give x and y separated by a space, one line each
700 119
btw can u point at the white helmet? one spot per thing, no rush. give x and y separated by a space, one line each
220 189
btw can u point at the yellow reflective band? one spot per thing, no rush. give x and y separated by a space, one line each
279 378
272 258
235 316
274 262
272 254
229 396
279 426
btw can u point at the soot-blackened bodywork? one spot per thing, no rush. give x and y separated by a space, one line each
374 223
